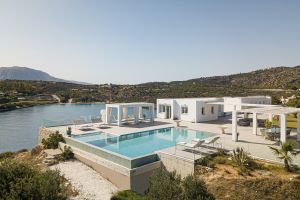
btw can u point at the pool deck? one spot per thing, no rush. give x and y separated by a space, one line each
256 145
114 129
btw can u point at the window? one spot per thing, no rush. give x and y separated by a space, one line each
162 108
184 109
212 110
203 111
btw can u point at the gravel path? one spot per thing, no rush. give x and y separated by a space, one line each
90 184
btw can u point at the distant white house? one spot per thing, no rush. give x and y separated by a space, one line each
204 109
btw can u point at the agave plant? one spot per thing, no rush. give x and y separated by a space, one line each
241 158
286 152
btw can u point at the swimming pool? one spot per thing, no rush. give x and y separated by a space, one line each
142 143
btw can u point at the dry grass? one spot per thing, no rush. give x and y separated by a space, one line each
270 182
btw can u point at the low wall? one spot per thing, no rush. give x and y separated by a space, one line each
136 179
182 166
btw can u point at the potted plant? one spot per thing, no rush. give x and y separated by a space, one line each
69 131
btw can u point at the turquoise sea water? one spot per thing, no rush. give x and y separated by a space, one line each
142 143
19 128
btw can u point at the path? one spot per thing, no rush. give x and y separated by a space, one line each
89 184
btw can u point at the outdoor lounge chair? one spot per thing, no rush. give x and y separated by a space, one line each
97 122
210 142
193 145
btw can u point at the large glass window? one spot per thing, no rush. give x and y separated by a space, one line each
184 109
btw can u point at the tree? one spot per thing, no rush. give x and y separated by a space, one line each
286 152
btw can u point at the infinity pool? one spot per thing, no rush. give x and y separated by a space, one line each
142 143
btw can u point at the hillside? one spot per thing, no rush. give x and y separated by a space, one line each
25 73
271 78
276 82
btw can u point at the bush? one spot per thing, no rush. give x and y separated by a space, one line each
36 150
21 181
7 155
67 154
166 185
52 141
195 189
241 159
207 162
127 195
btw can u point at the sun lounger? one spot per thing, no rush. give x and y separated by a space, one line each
210 142
193 145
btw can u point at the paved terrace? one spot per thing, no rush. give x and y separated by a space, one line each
256 145
114 129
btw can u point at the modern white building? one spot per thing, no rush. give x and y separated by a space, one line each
240 102
204 109
189 109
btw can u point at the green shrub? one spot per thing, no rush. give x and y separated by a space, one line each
166 185
268 124
207 162
67 153
241 159
220 160
195 189
22 151
20 181
7 155
52 141
127 195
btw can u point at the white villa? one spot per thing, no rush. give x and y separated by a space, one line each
128 143
204 109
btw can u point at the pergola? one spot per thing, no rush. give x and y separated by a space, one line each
271 111
122 112
256 109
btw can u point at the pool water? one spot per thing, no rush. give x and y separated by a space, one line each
142 143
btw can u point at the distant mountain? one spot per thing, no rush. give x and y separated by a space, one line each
25 73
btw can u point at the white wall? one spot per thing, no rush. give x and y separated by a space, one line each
230 101
208 115
194 109
163 115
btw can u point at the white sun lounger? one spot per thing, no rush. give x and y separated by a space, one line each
210 141
193 145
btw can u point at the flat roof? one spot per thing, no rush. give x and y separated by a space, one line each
278 110
194 98
133 104
244 104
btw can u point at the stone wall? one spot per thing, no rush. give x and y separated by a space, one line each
182 166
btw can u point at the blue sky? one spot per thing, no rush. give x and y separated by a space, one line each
134 41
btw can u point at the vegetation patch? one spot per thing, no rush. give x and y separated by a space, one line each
52 141
127 195
67 154
22 181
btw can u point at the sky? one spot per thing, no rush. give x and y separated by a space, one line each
136 41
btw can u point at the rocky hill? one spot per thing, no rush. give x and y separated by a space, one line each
25 73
